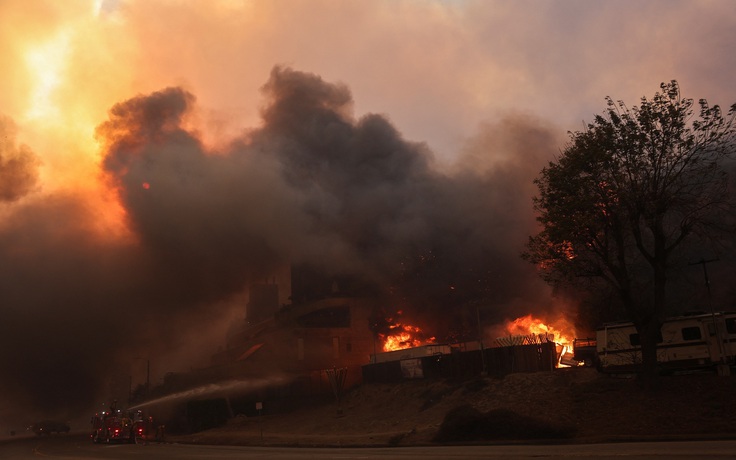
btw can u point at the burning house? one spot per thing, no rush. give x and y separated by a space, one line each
281 352
525 344
326 326
278 353
335 322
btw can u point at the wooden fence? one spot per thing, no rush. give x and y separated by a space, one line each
497 361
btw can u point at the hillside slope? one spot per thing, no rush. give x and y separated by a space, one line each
579 404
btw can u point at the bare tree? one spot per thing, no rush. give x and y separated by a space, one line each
627 192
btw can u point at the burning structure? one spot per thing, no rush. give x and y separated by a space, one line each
327 325
279 353
338 322
527 351
194 224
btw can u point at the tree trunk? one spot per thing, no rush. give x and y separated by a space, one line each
650 329
649 334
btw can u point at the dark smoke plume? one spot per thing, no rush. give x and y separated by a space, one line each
312 185
316 185
18 165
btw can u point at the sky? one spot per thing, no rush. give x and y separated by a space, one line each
157 156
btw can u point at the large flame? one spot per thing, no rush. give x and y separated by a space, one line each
401 336
562 333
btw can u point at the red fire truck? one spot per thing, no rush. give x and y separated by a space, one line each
117 426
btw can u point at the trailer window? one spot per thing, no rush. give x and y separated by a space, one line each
731 325
691 333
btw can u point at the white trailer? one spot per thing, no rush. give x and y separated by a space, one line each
691 341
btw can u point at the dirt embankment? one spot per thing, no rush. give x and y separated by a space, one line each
568 405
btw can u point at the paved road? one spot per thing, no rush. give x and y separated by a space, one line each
79 447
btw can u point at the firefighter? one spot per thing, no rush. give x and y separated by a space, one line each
161 432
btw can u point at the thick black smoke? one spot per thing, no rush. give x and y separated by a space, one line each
316 185
312 185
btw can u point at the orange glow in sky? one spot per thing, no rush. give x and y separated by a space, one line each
444 67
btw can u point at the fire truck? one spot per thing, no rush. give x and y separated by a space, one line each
118 426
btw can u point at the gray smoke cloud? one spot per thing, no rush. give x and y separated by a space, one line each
313 184
316 185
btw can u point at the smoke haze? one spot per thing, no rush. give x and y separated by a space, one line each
150 169
312 185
